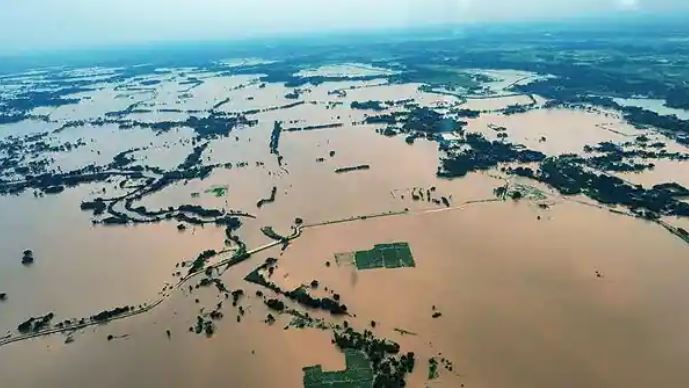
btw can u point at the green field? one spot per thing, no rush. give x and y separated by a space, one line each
393 255
218 191
357 374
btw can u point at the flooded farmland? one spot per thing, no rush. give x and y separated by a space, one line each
181 227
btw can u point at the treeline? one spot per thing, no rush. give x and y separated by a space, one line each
352 168
315 127
275 138
299 295
264 201
389 369
567 175
478 153
201 260
107 315
35 324
368 105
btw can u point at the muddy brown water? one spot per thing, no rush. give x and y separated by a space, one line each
521 303
520 300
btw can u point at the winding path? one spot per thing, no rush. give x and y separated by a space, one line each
229 262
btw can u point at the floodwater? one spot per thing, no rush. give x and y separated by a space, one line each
516 284
665 171
521 304
345 70
246 354
81 269
556 131
501 81
654 105
497 103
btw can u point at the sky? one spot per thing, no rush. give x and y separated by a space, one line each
28 25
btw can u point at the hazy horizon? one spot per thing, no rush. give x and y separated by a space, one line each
27 26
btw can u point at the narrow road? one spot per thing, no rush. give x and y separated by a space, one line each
296 233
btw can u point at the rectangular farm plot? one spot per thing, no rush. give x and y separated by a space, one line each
357 374
394 255
346 258
368 260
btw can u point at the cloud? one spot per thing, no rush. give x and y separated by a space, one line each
629 5
33 24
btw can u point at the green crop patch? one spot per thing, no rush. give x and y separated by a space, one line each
218 191
357 374
393 255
